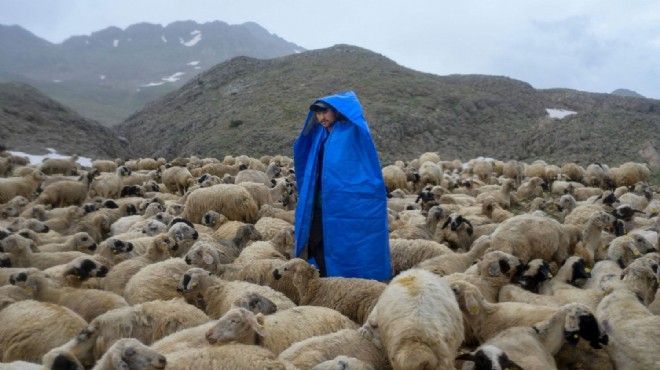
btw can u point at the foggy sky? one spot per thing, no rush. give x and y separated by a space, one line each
588 45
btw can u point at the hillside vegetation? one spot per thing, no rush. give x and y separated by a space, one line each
257 107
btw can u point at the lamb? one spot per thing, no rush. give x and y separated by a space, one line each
234 356
406 253
146 322
309 352
427 339
31 328
524 347
156 281
632 328
121 273
178 179
66 166
108 185
353 297
88 303
278 331
529 237
24 186
219 295
22 255
449 263
233 201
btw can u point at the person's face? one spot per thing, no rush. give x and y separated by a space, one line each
326 117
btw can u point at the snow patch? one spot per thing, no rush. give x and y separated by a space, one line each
57 81
559 113
115 43
193 63
173 78
163 38
297 51
102 77
35 158
197 37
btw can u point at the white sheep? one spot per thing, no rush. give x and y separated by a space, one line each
306 353
233 201
449 263
88 303
66 193
130 354
22 255
234 356
66 166
278 331
30 329
406 253
156 281
419 321
503 195
178 179
24 186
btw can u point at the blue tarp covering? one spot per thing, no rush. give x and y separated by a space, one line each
355 233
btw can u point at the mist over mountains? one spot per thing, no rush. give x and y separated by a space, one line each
109 74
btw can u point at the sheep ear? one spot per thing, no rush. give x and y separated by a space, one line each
472 304
118 362
207 258
257 326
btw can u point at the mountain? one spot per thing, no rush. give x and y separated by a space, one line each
256 107
31 122
111 73
626 92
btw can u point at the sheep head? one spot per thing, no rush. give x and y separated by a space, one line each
237 324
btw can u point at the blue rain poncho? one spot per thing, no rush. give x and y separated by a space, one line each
354 199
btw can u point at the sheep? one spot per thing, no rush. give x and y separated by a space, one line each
630 173
22 255
148 179
13 207
79 271
178 180
278 331
185 339
259 192
460 233
108 185
130 354
354 297
233 201
529 237
307 353
427 230
24 186
525 347
449 263
102 165
234 356
503 195
625 248
394 178
343 363
493 271
573 171
255 303
66 193
22 223
146 322
268 227
281 247
268 210
419 321
115 250
31 328
156 281
406 253
592 241
82 242
530 189
88 303
632 328
66 166
121 273
219 295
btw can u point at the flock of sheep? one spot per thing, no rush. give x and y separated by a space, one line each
187 264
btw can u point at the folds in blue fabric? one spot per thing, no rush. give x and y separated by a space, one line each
355 233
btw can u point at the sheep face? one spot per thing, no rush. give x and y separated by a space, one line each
238 324
533 274
580 271
499 264
118 246
61 359
211 219
84 242
32 224
488 357
180 232
85 268
468 296
130 353
15 244
289 268
580 322
201 255
192 280
154 227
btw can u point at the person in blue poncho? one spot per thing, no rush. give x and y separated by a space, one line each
341 216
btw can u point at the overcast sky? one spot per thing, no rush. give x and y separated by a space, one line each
588 45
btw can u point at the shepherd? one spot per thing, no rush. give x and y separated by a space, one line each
341 216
